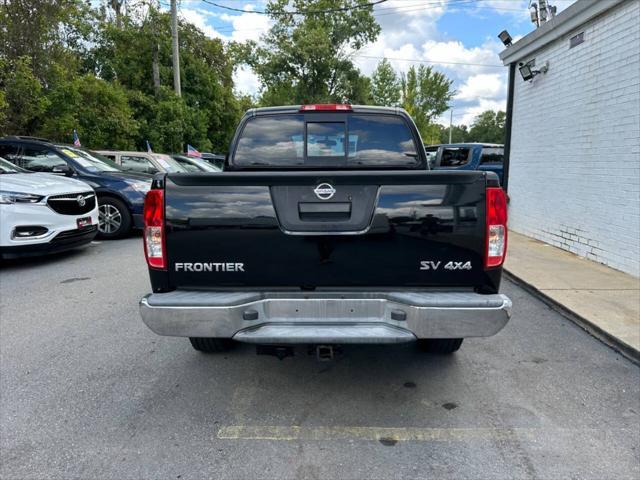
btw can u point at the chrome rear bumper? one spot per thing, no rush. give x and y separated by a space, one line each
325 317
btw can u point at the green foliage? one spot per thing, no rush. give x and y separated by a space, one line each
488 127
386 89
425 95
99 110
168 122
207 112
75 64
47 32
306 59
431 134
104 116
25 98
459 134
66 64
423 92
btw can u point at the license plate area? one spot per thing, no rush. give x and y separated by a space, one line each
301 210
83 222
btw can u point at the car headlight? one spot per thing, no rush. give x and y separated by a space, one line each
142 187
16 197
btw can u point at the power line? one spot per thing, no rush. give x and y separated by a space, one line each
430 61
299 12
397 11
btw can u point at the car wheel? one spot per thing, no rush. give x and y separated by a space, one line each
442 346
114 219
211 345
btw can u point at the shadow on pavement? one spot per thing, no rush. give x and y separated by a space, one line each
28 261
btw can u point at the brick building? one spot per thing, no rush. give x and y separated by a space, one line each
573 132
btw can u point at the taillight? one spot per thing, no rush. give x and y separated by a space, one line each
496 235
334 107
154 229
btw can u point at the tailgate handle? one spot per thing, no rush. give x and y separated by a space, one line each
324 211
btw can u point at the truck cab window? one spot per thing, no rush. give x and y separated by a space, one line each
361 140
455 157
271 141
325 139
432 154
492 155
381 140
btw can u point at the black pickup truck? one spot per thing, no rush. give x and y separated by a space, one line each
326 228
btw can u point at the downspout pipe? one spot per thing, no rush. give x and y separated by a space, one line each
507 127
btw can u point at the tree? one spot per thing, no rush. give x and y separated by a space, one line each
385 85
307 58
432 134
24 97
99 110
488 127
208 110
104 68
459 134
47 32
425 95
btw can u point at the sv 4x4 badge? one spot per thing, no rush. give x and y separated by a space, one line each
431 265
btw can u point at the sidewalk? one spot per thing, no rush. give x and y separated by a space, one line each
604 301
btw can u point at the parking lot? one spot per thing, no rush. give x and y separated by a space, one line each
89 392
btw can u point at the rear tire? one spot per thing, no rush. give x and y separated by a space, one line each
114 218
441 346
211 345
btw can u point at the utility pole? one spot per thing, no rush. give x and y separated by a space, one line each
155 69
175 52
450 124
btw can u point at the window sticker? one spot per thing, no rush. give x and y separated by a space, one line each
70 153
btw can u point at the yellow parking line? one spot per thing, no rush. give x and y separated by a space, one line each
408 434
284 433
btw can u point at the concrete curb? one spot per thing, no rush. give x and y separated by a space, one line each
605 337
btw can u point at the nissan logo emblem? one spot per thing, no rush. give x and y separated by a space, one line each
324 191
81 201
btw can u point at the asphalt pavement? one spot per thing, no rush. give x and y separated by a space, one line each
87 391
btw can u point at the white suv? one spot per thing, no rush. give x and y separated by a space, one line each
43 213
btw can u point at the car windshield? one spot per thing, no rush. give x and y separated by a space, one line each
195 164
92 161
8 167
168 163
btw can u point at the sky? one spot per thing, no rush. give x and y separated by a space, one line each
456 37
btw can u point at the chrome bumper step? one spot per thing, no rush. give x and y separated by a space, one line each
325 317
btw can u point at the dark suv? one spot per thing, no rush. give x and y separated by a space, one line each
120 194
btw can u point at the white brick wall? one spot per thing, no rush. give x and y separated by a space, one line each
574 179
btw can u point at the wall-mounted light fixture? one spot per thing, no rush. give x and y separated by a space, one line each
527 71
505 38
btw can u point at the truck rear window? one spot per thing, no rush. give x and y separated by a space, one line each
345 141
492 155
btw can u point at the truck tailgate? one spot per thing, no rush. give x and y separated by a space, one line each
385 229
